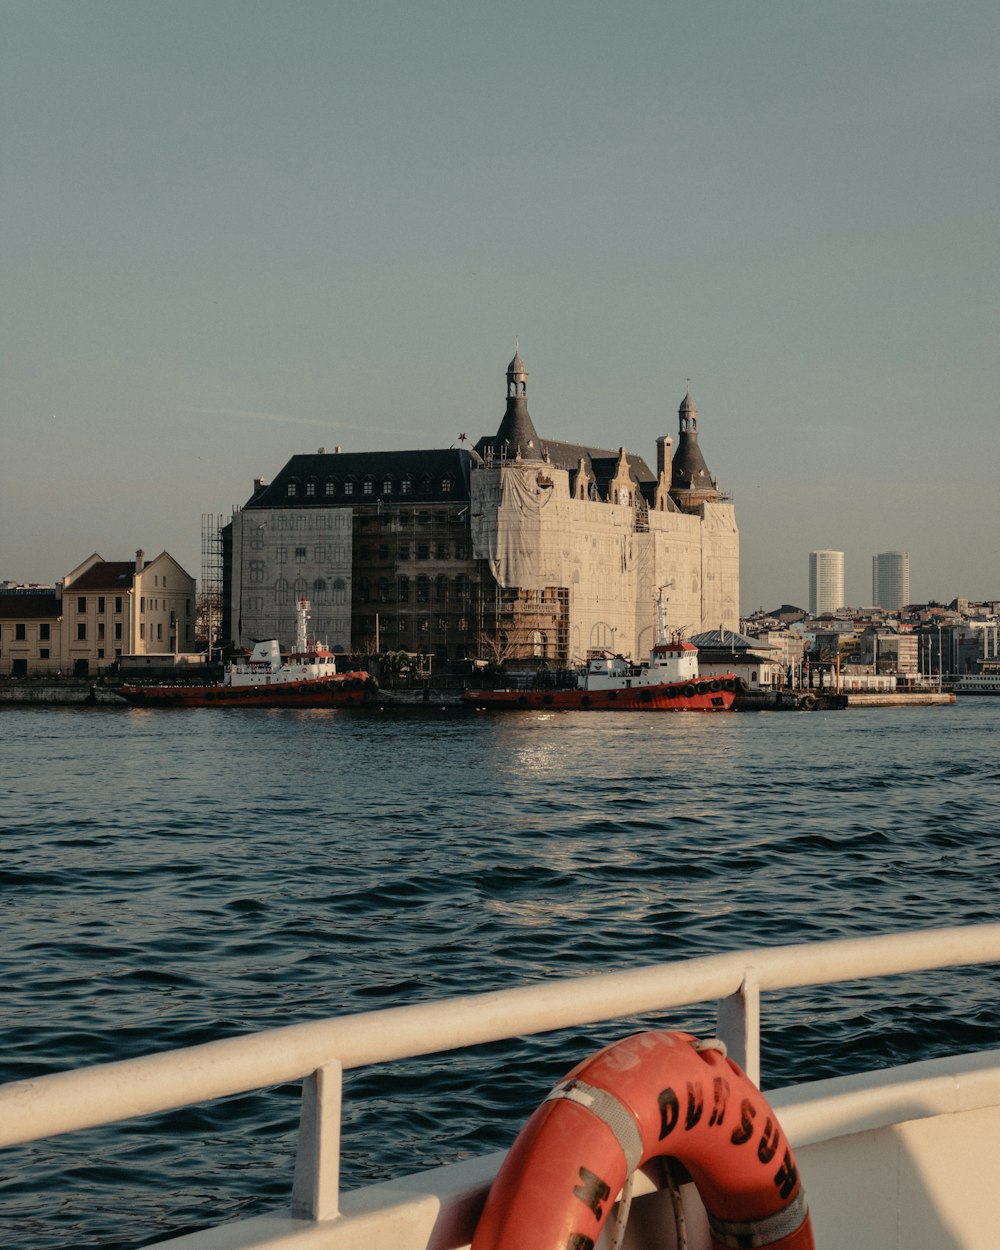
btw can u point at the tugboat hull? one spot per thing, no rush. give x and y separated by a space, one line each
341 690
703 695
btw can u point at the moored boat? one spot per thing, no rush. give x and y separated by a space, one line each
900 1156
978 683
307 677
668 682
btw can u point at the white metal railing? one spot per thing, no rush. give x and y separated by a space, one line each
319 1051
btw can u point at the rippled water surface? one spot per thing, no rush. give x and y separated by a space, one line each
173 877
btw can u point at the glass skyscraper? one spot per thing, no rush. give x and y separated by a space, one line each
891 580
826 582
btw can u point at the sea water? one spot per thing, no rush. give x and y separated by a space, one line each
173 877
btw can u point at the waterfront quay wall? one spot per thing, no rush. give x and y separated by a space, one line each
63 693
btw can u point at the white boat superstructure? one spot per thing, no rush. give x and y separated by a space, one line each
264 665
671 659
978 683
903 1157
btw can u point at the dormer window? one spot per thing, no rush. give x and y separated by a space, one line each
406 486
446 486
387 486
369 486
349 486
331 487
310 488
292 489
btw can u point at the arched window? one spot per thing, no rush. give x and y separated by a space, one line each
387 486
330 487
319 591
282 592
423 590
293 489
349 486
403 586
340 590
406 486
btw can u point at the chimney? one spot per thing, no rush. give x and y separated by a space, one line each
320 451
663 446
140 560
258 482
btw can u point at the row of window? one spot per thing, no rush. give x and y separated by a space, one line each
153 604
81 631
421 551
156 605
397 520
323 553
365 486
21 631
419 624
385 591
81 604
320 592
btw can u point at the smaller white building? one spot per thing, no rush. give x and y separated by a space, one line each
759 665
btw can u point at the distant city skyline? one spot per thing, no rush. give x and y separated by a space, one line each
235 233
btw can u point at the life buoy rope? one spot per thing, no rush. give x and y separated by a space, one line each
652 1095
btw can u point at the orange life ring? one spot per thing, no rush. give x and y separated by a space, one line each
649 1095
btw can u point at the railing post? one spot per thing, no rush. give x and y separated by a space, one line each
738 1025
316 1188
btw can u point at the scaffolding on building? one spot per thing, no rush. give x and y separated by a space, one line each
210 600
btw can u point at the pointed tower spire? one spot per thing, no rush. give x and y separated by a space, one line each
516 435
691 483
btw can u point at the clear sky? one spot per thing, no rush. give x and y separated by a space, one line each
234 230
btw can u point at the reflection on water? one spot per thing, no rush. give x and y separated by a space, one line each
172 877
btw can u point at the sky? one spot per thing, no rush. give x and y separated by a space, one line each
237 231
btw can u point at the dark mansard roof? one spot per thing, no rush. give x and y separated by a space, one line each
435 476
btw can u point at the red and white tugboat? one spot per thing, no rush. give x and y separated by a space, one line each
307 678
667 682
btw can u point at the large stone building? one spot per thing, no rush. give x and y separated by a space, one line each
525 549
378 542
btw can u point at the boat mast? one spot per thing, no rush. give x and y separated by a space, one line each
301 626
661 612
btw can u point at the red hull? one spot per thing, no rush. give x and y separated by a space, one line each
704 695
341 691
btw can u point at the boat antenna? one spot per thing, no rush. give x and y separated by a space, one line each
301 626
661 612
